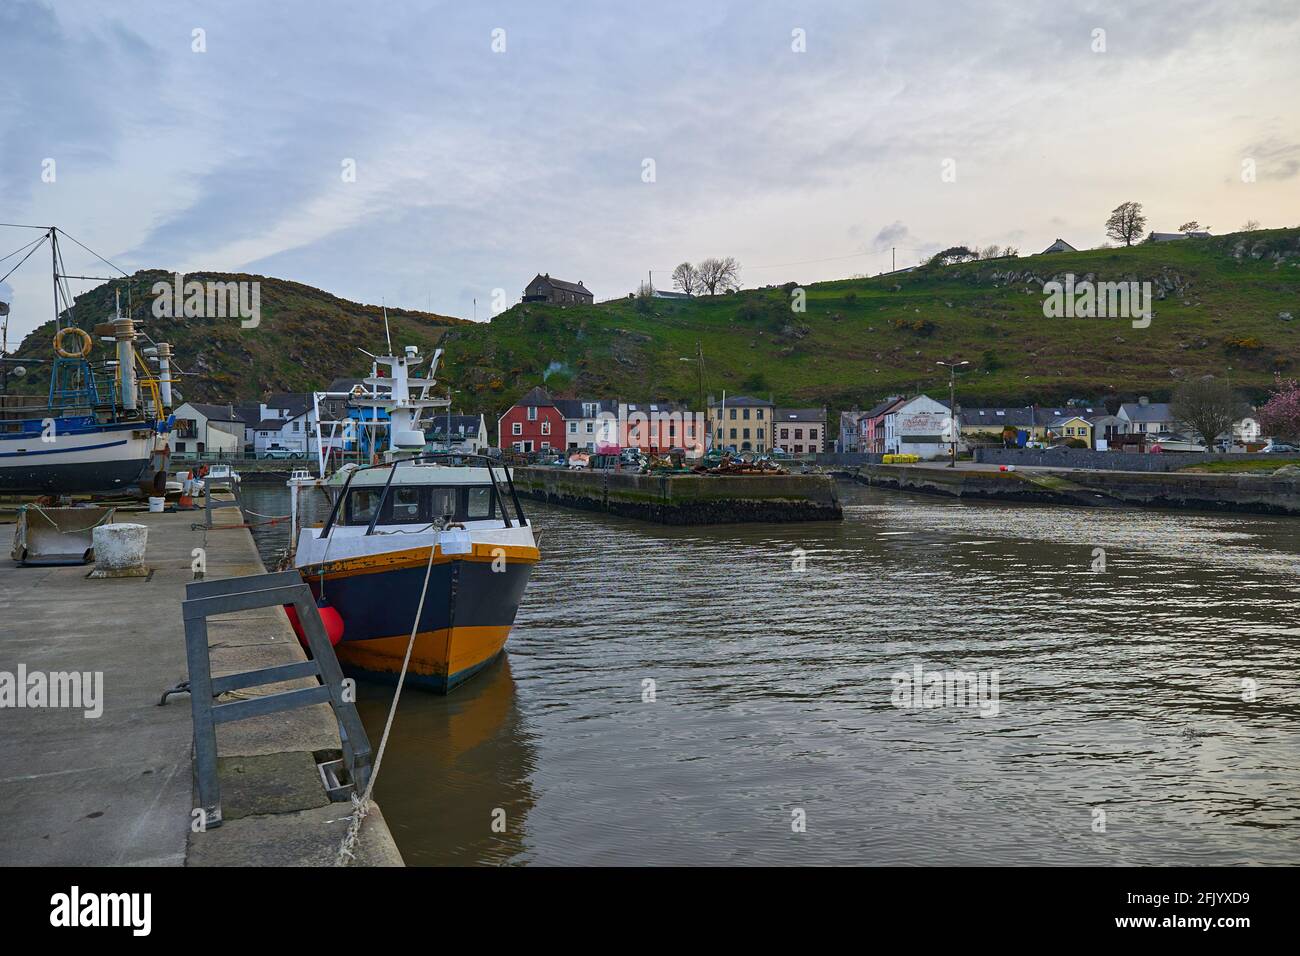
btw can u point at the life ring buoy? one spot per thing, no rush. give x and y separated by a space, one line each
86 342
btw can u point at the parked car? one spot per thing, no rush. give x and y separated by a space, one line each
1280 448
280 453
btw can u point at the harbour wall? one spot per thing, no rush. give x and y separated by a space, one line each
1092 488
115 789
686 499
1110 460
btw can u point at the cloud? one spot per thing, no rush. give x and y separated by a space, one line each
476 169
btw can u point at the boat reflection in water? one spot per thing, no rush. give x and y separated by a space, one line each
453 764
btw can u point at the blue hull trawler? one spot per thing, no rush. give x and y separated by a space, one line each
425 556
103 425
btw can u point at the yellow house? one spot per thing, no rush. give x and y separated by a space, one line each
742 423
1073 427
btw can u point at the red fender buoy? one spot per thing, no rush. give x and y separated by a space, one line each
329 617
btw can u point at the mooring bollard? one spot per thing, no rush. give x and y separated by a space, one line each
119 551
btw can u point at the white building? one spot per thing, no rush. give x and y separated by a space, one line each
284 434
588 422
920 426
468 434
208 431
1147 417
1246 430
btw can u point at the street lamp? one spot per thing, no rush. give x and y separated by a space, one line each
952 405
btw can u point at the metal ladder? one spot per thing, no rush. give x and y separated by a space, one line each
204 599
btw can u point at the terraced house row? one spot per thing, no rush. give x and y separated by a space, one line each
540 423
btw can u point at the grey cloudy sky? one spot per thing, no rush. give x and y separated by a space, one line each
475 169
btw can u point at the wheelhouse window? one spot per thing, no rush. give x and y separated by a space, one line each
420 504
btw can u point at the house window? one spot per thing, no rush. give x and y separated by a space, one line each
745 414
798 433
733 414
733 434
812 433
532 413
516 428
785 433
760 417
546 428
573 428
546 446
746 435
591 427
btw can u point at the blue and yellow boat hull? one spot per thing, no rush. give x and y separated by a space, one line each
468 610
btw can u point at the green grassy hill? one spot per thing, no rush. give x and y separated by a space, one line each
1217 311
305 338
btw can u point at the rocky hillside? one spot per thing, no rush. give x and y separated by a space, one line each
305 337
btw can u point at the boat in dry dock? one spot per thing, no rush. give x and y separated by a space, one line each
103 425
438 543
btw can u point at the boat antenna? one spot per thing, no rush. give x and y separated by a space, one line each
387 336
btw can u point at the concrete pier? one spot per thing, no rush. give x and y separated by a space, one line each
686 499
116 789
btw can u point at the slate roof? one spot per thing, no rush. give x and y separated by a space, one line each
1152 412
536 396
743 401
577 287
572 407
220 413
813 416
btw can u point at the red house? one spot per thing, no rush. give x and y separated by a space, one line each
871 437
533 423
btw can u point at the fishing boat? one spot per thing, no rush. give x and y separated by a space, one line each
435 544
102 425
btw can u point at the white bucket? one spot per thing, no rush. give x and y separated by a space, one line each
156 504
120 547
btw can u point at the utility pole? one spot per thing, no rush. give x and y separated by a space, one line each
952 406
893 260
4 348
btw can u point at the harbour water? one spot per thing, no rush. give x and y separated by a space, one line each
1148 709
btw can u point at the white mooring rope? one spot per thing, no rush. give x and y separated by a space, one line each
361 806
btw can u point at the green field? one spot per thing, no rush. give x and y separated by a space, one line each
861 339
858 340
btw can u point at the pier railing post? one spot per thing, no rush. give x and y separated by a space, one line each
205 731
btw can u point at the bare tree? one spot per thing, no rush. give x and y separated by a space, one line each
1208 405
1252 225
1126 222
686 278
718 275
991 252
1192 226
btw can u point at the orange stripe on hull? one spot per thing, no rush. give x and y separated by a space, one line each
419 557
440 654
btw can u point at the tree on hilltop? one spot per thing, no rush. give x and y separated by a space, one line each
1126 222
